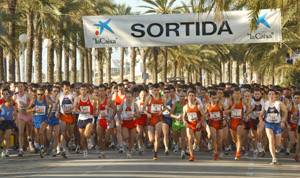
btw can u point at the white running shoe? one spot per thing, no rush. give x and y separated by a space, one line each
129 155
255 154
85 153
176 148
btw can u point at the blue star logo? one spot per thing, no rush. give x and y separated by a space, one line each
104 25
262 20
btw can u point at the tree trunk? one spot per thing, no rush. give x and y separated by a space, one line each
100 65
175 64
251 74
11 4
18 65
67 60
5 68
200 72
38 54
108 64
86 66
215 78
132 63
81 71
1 65
73 59
50 66
273 74
221 72
155 56
165 65
144 66
29 47
237 72
90 65
122 64
59 60
229 72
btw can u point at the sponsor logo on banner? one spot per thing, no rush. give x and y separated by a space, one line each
261 34
101 26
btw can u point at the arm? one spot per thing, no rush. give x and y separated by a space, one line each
56 107
31 107
228 108
119 111
202 112
113 107
184 116
136 113
296 112
75 105
284 113
50 104
145 105
172 112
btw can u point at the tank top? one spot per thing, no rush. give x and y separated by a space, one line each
127 112
237 112
42 110
193 114
290 115
169 106
119 100
66 103
178 111
7 114
86 110
215 113
257 109
155 106
273 113
53 109
22 101
140 105
104 110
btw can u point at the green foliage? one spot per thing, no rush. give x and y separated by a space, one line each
293 75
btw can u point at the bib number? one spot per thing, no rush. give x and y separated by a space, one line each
40 110
236 113
192 116
128 115
155 108
67 108
85 109
215 115
273 118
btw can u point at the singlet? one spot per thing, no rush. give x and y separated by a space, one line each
53 109
273 113
290 115
193 114
66 103
127 112
140 105
257 110
119 100
215 113
104 110
155 106
7 114
42 110
22 100
178 111
237 112
169 106
86 109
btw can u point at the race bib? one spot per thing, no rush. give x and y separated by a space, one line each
85 109
67 108
215 115
118 107
103 113
236 113
40 110
128 115
273 118
178 120
155 108
141 109
293 121
192 116
22 105
256 114
167 112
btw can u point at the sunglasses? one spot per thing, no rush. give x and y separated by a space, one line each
55 90
40 94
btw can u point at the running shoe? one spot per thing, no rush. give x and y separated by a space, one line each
182 155
221 155
85 153
42 152
21 153
259 147
77 149
216 156
140 151
63 154
192 158
121 150
3 154
36 149
167 152
175 148
263 153
6 153
226 151
53 153
155 158
48 152
287 152
129 156
274 162
245 155
97 149
67 152
209 145
255 154
296 158
238 156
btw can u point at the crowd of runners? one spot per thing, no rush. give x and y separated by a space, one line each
248 119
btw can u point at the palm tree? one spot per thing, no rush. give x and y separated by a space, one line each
161 7
108 64
132 63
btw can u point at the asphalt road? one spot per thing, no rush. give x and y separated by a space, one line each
117 165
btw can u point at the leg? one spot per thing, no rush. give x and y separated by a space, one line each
239 132
182 138
21 127
271 138
140 131
214 139
165 130
132 135
119 132
7 138
63 136
158 127
42 132
83 139
190 135
100 132
56 136
220 139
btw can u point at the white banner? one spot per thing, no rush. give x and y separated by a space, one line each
180 29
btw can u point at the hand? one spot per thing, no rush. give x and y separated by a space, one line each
253 106
57 114
282 125
2 119
224 122
49 116
232 107
149 116
198 125
289 127
246 119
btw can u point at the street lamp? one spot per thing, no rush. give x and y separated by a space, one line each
23 39
47 43
94 53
